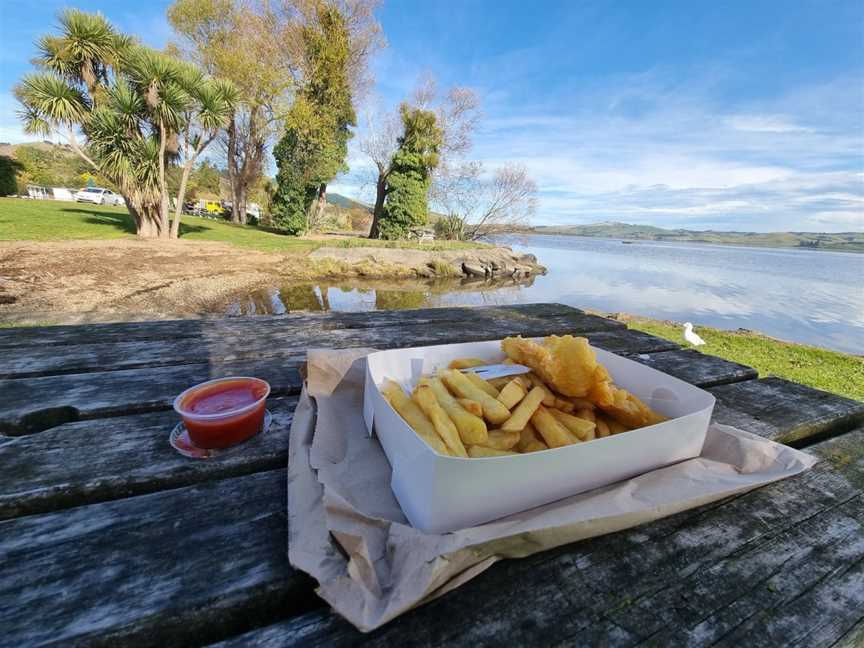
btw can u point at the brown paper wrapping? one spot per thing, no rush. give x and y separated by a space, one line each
339 494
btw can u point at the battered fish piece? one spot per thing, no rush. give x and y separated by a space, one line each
570 367
565 363
630 410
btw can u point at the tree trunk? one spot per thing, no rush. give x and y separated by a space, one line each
232 168
164 229
240 205
136 216
148 229
245 174
378 210
145 209
187 170
147 220
246 146
181 196
322 202
315 209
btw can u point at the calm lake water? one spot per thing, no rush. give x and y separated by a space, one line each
801 295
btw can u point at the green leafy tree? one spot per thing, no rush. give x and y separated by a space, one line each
247 43
317 128
9 170
410 175
129 102
206 178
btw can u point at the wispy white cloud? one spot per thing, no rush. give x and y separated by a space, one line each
851 220
765 124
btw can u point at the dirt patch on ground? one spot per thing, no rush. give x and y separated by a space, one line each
109 280
105 278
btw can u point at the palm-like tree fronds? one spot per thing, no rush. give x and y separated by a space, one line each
51 56
86 36
147 171
173 101
128 159
34 122
160 79
127 105
52 100
80 53
213 109
147 67
230 93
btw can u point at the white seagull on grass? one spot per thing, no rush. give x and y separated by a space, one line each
690 336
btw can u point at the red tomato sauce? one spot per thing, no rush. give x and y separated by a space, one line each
224 397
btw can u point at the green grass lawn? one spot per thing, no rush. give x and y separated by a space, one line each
48 220
834 372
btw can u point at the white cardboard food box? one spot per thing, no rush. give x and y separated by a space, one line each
442 493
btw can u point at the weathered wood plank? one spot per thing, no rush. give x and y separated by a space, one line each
753 595
227 327
629 342
835 587
781 565
36 404
785 411
171 568
697 368
254 343
92 461
852 639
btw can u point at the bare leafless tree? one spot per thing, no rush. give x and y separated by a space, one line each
378 144
504 202
457 114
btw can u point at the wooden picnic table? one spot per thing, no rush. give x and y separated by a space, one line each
109 537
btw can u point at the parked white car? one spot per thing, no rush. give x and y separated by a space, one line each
99 196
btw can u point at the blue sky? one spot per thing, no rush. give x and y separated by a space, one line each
734 115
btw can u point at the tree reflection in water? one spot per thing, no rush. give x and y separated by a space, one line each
400 299
377 295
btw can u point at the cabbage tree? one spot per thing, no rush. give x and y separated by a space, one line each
129 102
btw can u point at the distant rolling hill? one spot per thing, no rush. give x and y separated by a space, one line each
841 242
345 202
349 203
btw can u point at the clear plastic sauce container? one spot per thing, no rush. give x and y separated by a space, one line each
223 412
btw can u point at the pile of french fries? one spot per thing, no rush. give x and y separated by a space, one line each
463 415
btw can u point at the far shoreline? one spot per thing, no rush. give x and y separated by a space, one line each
856 248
